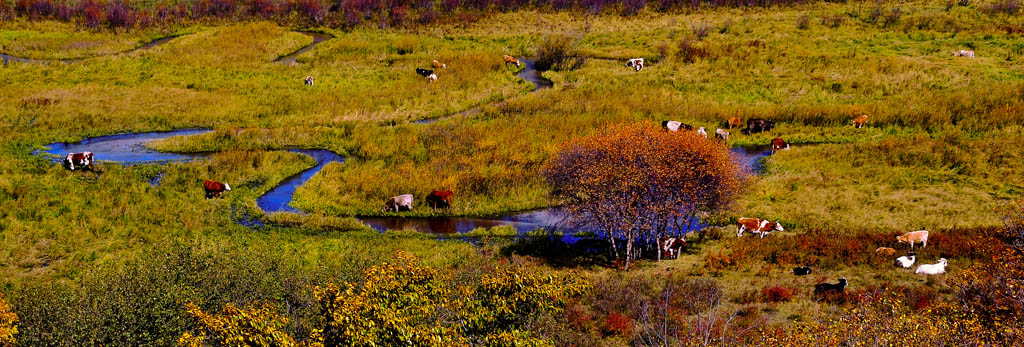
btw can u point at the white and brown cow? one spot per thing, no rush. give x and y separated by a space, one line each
398 203
309 80
214 188
438 65
511 60
637 64
963 53
757 226
722 134
75 160
670 246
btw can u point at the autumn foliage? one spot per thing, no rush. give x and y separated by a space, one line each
8 324
638 182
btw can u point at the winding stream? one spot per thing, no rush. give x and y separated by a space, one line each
317 39
148 45
529 73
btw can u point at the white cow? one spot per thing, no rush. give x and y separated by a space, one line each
722 134
932 269
702 132
397 203
906 261
963 53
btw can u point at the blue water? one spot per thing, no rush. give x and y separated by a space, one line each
529 74
278 198
126 148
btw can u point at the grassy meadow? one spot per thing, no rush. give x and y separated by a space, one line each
941 151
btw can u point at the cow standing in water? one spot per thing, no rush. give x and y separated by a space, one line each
511 60
214 188
83 159
440 199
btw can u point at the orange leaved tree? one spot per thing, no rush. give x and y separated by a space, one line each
638 182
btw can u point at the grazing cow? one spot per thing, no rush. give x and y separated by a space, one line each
703 133
672 125
309 80
83 159
671 246
963 53
432 78
779 144
637 64
440 199
438 65
735 122
722 134
914 237
758 125
827 288
906 261
802 270
511 60
860 121
398 203
932 269
885 251
214 188
757 226
424 72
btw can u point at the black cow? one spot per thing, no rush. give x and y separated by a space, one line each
424 72
758 125
801 270
827 288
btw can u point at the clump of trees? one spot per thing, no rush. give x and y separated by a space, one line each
403 303
637 183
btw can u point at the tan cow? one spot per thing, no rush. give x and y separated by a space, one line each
860 121
511 60
886 251
735 122
914 237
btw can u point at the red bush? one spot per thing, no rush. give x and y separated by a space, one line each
262 8
93 14
617 324
777 293
119 15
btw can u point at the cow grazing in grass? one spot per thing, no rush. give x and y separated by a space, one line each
703 133
309 80
932 269
438 65
432 78
637 64
79 160
735 122
828 288
672 125
885 251
757 226
214 188
758 125
511 60
906 261
920 236
424 72
963 53
779 144
723 135
670 246
398 203
440 199
802 270
860 121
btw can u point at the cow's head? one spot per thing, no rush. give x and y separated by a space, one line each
227 187
778 226
942 261
842 281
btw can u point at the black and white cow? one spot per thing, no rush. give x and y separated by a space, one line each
637 64
309 80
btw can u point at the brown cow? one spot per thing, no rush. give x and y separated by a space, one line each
511 60
860 121
914 237
670 246
735 122
83 159
440 199
779 144
757 226
439 65
214 188
885 251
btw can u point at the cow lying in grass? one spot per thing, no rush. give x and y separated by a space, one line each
511 60
83 159
214 188
757 226
637 64
829 288
906 261
914 237
885 251
963 53
398 203
932 269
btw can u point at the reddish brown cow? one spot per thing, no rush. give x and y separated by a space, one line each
440 199
735 122
757 226
214 188
83 159
860 121
779 144
670 246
